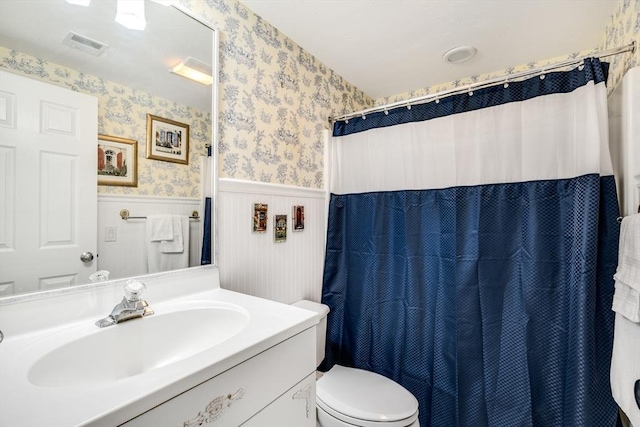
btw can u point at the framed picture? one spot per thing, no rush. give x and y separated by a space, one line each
280 228
260 217
298 218
167 140
117 161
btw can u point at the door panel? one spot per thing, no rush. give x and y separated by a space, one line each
48 188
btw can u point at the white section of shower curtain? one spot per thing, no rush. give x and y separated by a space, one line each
557 136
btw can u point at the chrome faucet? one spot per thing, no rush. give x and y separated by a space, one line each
131 306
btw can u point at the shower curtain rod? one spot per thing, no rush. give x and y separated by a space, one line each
486 83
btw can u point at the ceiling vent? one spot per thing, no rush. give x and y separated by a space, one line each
85 44
459 54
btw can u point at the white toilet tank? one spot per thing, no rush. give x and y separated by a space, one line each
322 311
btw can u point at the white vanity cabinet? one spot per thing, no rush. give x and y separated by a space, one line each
275 387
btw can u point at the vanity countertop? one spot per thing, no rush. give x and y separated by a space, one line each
31 326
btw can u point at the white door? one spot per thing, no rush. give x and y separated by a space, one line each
48 189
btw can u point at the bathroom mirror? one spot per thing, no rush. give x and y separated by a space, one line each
133 75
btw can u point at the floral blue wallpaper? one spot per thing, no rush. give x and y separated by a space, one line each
275 99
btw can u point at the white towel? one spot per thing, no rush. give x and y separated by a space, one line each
158 261
625 366
625 358
176 243
626 299
159 227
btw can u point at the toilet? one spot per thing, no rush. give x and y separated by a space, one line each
350 397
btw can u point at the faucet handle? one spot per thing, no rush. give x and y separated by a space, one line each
133 289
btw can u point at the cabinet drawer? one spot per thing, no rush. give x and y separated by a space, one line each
231 398
295 408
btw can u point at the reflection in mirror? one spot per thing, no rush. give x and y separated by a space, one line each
69 73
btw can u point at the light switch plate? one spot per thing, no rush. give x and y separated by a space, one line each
110 234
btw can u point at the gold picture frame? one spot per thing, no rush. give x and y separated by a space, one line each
167 140
117 161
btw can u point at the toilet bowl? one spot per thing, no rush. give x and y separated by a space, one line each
350 397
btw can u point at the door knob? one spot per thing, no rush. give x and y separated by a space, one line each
86 257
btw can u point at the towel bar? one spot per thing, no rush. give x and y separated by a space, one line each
124 214
619 219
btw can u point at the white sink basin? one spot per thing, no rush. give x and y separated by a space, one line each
54 357
136 346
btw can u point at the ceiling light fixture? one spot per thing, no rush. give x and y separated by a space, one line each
79 2
130 13
459 54
195 70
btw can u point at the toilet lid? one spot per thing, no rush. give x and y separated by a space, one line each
365 395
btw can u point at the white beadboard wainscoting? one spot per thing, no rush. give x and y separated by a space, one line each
127 256
253 263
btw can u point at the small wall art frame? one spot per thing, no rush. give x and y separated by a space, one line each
280 228
117 161
297 218
167 140
260 211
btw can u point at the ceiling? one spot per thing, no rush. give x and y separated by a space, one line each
138 59
389 47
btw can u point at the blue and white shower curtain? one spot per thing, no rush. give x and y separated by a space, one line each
470 252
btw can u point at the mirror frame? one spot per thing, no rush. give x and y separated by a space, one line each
13 299
214 129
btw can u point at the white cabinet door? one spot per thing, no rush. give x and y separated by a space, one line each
48 187
295 408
